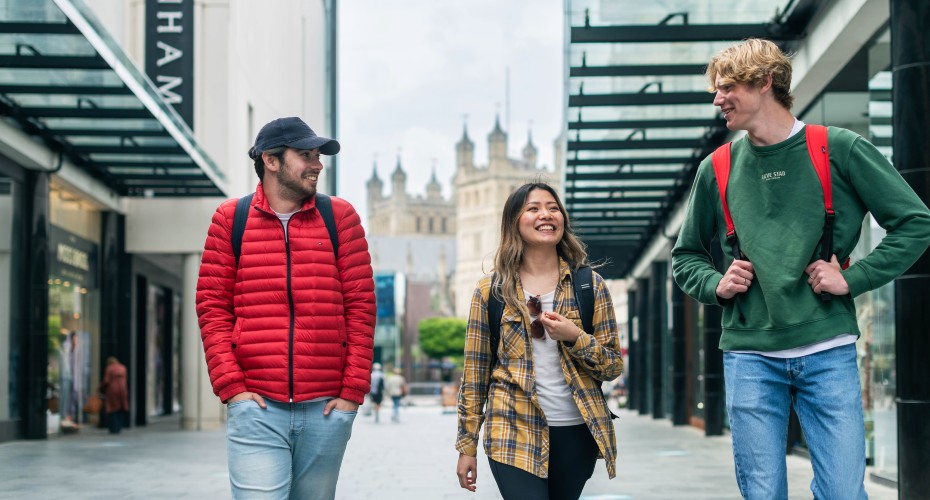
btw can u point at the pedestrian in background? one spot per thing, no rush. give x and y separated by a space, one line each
546 421
396 387
377 390
783 343
115 394
287 325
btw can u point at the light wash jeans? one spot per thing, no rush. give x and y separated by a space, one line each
286 450
827 399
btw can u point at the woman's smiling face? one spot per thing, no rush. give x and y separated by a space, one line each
542 222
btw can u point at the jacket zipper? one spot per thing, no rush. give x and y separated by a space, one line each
290 303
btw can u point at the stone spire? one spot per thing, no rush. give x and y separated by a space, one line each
375 186
465 151
497 142
433 189
399 181
529 151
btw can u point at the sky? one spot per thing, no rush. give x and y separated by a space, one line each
413 72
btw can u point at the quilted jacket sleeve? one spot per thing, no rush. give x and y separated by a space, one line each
358 292
215 305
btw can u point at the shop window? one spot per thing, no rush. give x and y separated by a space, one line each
73 309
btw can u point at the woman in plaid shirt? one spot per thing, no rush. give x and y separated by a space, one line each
546 420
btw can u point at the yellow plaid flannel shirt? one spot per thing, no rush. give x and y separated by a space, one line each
515 429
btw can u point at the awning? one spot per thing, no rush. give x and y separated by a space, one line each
639 117
64 80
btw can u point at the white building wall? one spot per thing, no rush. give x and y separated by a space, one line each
253 62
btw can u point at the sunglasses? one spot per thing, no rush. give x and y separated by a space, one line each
535 308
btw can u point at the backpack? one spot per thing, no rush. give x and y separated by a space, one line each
582 283
816 136
323 204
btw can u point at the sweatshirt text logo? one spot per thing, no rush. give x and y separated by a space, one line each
771 176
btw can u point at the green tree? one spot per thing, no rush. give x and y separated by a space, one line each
441 337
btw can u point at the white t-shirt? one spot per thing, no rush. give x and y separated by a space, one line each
555 397
284 218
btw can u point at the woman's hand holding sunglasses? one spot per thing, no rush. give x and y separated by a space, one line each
560 327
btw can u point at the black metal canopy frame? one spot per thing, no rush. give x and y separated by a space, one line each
633 150
64 81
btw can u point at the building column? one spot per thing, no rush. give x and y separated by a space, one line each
200 408
115 291
713 361
641 365
632 396
910 45
34 403
679 384
657 335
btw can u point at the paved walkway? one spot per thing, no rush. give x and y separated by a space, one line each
410 460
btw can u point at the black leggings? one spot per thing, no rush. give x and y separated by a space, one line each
572 455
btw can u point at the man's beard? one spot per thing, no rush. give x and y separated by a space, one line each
292 189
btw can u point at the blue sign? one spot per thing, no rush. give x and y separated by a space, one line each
384 295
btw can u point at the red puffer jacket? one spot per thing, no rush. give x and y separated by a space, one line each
291 323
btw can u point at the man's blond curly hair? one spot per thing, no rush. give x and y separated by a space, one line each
749 63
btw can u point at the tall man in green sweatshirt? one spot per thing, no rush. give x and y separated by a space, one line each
782 343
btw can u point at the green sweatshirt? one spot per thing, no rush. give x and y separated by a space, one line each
776 203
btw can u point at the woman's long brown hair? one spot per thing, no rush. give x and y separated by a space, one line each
510 252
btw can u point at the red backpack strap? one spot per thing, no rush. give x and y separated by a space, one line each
820 155
721 162
816 136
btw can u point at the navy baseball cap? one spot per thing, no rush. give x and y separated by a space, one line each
293 133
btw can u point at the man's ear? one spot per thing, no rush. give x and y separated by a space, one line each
271 162
766 83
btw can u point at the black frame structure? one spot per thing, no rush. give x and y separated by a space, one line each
633 150
69 85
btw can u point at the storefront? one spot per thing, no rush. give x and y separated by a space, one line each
82 130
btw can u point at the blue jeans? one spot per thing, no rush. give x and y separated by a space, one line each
286 450
825 390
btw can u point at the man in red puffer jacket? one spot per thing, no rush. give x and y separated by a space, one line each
288 331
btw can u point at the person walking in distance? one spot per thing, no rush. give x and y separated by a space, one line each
796 195
377 390
287 312
536 387
116 394
396 387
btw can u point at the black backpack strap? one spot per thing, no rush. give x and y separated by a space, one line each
495 311
583 284
325 206
240 216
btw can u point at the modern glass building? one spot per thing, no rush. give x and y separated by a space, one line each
638 121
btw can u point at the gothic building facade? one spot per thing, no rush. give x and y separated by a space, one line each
404 214
470 220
